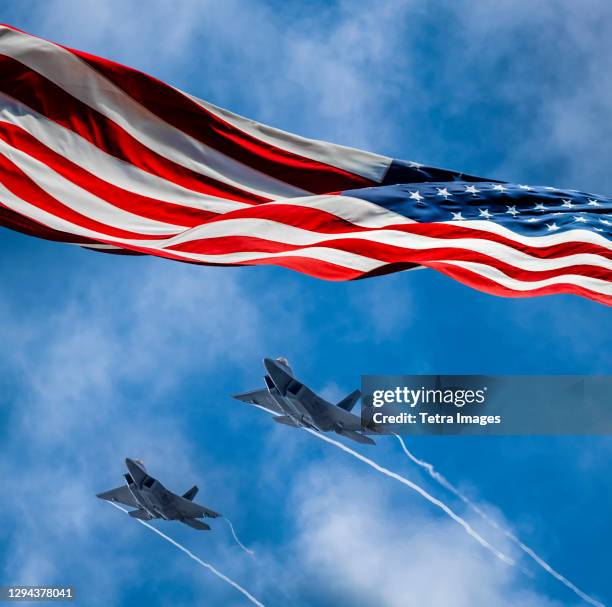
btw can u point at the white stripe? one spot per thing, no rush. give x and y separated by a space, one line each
359 162
346 259
349 260
75 77
91 158
82 201
592 284
536 241
282 233
357 211
21 206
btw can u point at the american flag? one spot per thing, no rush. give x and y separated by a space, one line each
100 155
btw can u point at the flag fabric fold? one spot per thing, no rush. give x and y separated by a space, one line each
99 155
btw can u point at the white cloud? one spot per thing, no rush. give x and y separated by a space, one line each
149 33
95 370
332 392
356 542
546 68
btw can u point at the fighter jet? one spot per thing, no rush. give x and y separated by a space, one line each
294 404
152 500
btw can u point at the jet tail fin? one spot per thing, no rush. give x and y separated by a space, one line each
348 402
196 524
189 495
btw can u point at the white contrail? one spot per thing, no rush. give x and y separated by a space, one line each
247 550
430 498
450 487
190 554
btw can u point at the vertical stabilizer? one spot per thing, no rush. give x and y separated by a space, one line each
189 495
348 402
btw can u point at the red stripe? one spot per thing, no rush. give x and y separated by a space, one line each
476 281
306 218
181 112
449 231
305 265
25 188
126 252
144 206
46 98
20 223
384 252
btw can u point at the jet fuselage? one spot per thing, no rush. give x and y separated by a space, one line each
301 404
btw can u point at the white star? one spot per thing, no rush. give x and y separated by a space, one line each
485 213
443 192
539 207
416 196
532 219
457 216
567 203
598 229
526 187
512 211
500 188
415 165
606 222
579 218
593 203
471 189
552 227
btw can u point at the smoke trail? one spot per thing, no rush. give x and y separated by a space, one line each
470 504
190 554
430 498
247 550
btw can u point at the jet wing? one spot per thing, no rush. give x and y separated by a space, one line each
261 398
121 494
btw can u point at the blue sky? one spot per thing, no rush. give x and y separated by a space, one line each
103 356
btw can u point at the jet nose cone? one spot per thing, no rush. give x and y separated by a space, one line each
279 363
276 370
270 363
134 464
279 375
136 469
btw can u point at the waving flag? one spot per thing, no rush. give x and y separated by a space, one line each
103 156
